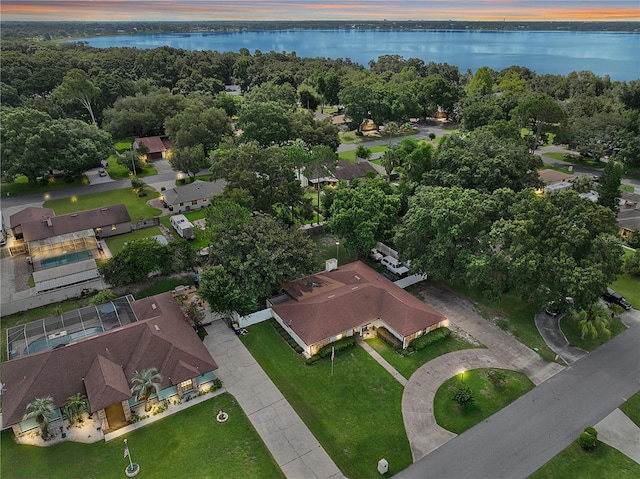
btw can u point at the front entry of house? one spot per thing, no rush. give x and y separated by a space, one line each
115 416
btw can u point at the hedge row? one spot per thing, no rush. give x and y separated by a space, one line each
325 351
385 335
285 335
430 338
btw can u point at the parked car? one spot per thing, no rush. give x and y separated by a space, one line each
552 309
610 296
394 265
375 255
102 172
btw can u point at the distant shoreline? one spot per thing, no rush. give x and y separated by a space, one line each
45 31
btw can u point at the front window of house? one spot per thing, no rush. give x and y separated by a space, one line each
186 386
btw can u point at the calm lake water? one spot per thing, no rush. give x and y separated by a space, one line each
616 54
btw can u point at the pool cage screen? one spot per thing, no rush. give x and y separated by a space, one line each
60 330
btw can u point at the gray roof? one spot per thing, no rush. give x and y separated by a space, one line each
31 213
70 223
198 190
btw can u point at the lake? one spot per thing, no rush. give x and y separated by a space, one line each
604 53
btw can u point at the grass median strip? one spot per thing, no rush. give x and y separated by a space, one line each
355 413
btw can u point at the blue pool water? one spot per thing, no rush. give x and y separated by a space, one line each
43 343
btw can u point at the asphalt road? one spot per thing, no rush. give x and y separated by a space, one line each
521 438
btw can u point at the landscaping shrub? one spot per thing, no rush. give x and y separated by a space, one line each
339 345
388 338
69 179
587 441
463 395
286 336
591 430
497 378
430 338
312 359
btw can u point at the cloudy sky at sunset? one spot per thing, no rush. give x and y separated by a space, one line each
200 10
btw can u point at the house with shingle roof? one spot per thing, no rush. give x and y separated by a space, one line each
342 171
31 213
192 196
101 365
325 307
157 146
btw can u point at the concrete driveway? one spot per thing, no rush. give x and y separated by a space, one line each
94 177
502 351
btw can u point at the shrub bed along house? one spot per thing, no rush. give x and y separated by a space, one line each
385 335
428 339
285 335
339 345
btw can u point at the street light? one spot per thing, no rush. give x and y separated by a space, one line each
337 246
462 374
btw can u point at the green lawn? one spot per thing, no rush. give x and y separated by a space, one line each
627 285
351 154
632 408
123 145
407 365
571 330
355 413
188 444
200 240
556 168
116 243
326 248
604 462
582 161
627 188
515 316
21 186
136 206
487 399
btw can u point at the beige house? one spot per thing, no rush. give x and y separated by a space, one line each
347 301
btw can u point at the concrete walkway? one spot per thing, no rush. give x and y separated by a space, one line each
294 448
618 431
549 329
503 351
383 362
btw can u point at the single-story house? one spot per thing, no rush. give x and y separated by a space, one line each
99 357
342 171
192 196
549 176
31 213
629 214
158 146
350 300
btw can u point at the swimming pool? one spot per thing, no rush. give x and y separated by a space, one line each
64 259
44 342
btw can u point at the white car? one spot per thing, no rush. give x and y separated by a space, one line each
394 265
375 255
102 172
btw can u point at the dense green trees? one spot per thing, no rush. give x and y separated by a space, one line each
543 248
252 261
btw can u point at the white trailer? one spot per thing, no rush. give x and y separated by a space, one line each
182 226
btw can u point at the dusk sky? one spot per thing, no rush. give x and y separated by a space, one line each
201 10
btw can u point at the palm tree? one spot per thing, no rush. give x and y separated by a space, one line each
391 159
593 322
74 407
146 382
42 410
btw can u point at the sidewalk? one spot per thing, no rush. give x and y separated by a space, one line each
292 445
618 431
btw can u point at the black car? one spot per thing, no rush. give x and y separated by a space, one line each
552 309
616 298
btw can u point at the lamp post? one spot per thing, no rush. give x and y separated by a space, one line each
337 246
462 375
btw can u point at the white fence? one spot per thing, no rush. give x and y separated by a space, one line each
385 250
254 318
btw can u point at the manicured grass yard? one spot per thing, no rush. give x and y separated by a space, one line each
407 365
514 316
188 444
326 248
200 240
350 155
604 462
165 284
487 399
116 243
355 414
21 186
627 285
571 330
632 408
136 206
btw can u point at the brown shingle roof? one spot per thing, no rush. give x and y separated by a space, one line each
31 213
161 338
155 144
552 176
70 223
345 170
327 304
